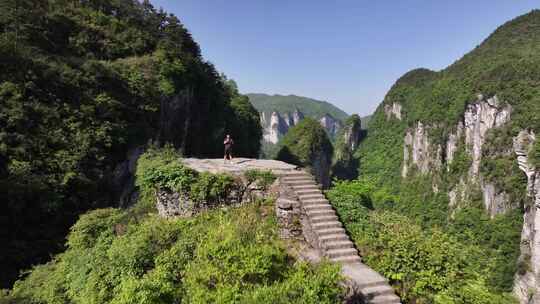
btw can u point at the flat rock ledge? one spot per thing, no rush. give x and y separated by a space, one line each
309 220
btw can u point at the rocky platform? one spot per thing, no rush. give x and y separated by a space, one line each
322 228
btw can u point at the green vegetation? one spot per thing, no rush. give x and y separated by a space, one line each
344 163
223 255
304 143
465 261
162 169
365 121
307 145
287 104
504 65
230 256
83 83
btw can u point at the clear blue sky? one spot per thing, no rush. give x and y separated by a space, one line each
346 52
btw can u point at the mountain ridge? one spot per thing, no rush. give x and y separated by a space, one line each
460 152
289 103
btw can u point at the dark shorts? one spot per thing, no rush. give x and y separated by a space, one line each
228 150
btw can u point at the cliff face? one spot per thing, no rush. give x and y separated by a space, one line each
273 127
330 124
479 117
345 164
466 148
276 124
454 147
419 152
526 281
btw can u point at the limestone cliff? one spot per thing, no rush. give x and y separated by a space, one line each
470 135
276 124
345 164
527 284
330 124
479 117
393 110
465 133
274 127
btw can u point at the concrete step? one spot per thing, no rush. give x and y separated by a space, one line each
298 182
297 175
373 283
299 179
338 245
336 253
353 259
315 201
315 213
311 196
323 218
326 225
378 290
384 299
330 231
340 236
308 191
302 187
317 207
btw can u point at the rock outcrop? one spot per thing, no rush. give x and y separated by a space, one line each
176 119
393 110
345 164
123 178
470 134
330 124
352 134
526 283
276 124
452 144
419 151
479 117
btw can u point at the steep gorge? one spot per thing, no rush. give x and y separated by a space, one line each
467 133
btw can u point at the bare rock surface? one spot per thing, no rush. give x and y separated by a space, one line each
479 117
526 283
276 124
237 165
393 110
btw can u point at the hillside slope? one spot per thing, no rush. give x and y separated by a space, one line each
84 86
289 103
458 149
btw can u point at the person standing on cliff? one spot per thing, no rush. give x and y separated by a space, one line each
228 142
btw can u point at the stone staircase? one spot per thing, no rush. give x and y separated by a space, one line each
334 242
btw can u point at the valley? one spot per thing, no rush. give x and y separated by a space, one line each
114 188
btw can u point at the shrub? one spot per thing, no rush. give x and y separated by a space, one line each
162 168
219 256
425 263
262 178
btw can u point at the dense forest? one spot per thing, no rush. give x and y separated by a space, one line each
83 84
433 249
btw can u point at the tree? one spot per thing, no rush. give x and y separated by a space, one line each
307 145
